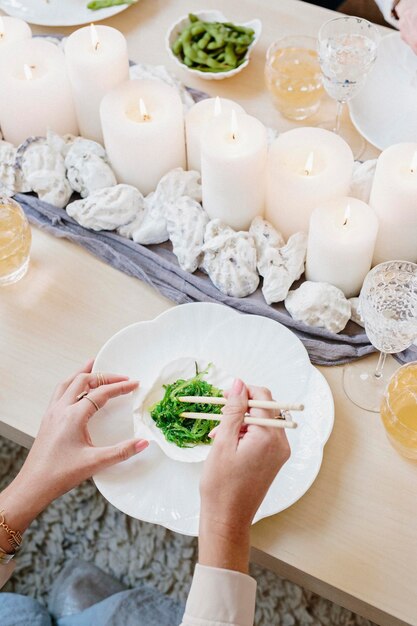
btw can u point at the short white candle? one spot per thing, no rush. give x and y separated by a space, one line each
394 198
233 161
35 93
13 29
341 243
196 121
97 61
144 140
306 166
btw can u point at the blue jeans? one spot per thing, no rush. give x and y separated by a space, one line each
142 606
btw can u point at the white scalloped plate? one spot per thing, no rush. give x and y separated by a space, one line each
57 12
153 487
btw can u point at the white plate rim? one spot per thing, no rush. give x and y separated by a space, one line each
96 16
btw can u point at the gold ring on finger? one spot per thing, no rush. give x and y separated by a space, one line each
81 396
92 402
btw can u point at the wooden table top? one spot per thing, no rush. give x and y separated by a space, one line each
352 537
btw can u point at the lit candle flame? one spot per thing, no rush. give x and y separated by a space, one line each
143 111
347 215
413 166
1 27
217 106
95 41
233 124
28 71
308 167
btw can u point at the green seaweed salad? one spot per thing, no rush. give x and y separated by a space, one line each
212 46
184 432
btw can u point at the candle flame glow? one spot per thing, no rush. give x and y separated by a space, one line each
27 71
1 27
347 215
308 168
413 166
233 124
143 111
217 106
95 41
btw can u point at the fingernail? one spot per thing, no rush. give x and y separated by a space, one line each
140 445
237 387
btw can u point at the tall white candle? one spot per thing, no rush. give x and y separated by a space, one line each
233 161
306 166
196 121
35 93
341 243
394 198
97 61
13 29
143 129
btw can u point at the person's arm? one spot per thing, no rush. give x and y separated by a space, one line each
239 470
62 455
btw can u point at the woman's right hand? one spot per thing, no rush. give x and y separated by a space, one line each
239 470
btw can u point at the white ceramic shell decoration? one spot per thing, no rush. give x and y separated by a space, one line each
150 227
87 167
7 168
282 267
230 259
43 171
107 209
356 312
265 236
144 399
186 223
319 304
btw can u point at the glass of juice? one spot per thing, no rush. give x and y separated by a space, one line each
399 410
15 240
293 76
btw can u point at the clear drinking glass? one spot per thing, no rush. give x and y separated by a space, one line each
399 410
15 240
388 305
293 76
347 51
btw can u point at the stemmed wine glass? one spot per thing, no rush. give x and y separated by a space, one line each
347 48
388 305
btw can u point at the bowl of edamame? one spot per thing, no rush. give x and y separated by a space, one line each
207 45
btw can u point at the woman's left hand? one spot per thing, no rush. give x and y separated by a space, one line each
407 13
63 455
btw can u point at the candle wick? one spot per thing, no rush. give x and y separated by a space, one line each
307 172
345 222
146 117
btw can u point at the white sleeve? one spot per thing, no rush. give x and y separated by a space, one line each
385 7
5 572
220 597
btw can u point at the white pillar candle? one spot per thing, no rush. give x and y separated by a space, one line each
97 61
196 121
341 243
233 161
35 93
394 198
13 29
306 166
143 129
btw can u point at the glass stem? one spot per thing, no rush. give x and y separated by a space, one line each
340 105
380 364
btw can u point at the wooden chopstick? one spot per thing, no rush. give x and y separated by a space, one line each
248 419
252 404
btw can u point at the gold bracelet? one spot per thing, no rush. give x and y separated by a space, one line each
15 537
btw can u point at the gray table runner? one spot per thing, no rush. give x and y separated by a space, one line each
158 266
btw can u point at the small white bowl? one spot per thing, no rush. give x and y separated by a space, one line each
211 16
